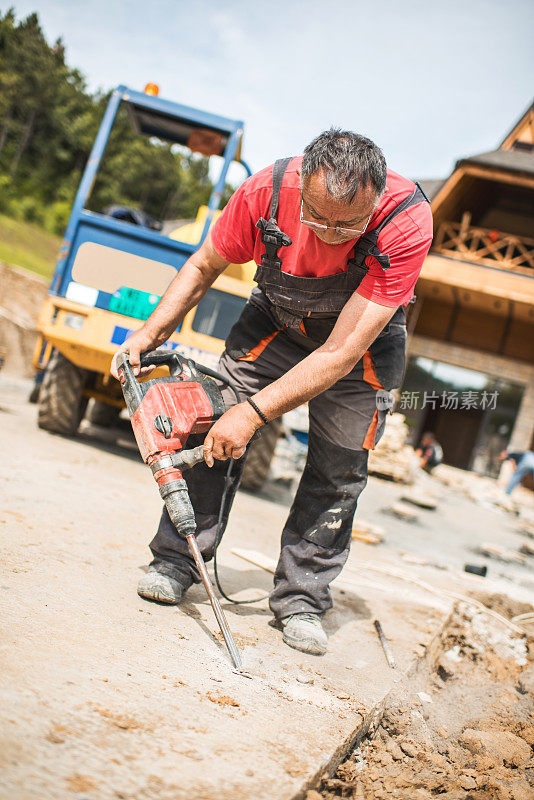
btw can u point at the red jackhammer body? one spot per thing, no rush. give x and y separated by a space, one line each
164 412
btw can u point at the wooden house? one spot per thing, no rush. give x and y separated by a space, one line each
471 328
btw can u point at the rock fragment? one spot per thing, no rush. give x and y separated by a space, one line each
445 668
394 750
502 746
408 748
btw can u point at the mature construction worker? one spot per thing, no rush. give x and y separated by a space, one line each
339 241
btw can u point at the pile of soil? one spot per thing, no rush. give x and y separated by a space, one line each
460 728
21 297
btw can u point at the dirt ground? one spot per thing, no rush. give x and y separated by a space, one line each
460 728
105 696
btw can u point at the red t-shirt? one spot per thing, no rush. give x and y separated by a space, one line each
406 239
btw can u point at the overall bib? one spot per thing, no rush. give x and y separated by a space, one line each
285 319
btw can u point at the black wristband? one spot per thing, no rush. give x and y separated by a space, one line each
260 414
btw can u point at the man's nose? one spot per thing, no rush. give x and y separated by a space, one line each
330 237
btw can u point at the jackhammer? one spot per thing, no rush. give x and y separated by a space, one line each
164 412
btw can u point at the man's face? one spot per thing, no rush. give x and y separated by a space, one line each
318 206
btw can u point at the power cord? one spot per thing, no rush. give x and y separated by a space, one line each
219 532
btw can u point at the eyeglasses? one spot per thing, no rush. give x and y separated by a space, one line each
315 226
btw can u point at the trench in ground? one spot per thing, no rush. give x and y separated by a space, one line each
458 726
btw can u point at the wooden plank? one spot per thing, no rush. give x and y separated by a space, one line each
499 175
505 284
434 318
256 558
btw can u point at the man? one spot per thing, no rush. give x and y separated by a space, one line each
429 452
339 242
523 465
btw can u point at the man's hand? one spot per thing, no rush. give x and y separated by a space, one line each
139 342
229 437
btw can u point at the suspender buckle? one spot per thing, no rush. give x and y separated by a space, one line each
273 239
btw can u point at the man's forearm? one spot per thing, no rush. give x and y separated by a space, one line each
357 327
311 376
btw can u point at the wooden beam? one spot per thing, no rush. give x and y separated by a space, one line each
444 192
466 242
525 125
454 315
506 330
499 283
499 175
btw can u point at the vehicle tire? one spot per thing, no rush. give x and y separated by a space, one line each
61 402
33 397
103 414
260 455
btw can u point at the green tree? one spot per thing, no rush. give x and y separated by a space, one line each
48 122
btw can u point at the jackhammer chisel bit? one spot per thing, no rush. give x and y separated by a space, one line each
163 413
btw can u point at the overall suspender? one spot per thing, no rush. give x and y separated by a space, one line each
295 297
271 235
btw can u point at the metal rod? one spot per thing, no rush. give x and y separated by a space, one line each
385 646
217 610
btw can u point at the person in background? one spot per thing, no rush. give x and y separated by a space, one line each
523 463
429 452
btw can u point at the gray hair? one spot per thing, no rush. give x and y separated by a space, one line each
349 162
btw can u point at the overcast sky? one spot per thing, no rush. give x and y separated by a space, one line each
428 81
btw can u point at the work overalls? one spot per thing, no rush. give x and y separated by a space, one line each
285 319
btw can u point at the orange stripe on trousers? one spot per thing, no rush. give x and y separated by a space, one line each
369 371
369 441
258 349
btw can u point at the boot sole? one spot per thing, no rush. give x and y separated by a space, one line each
159 598
305 646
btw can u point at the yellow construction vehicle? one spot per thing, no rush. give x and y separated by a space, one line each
113 268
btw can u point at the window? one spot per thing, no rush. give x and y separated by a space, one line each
217 312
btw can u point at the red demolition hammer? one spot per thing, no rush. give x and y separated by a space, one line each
163 412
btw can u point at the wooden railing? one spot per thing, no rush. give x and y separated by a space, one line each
464 242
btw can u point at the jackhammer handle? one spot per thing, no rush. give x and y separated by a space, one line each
131 388
123 364
191 457
168 358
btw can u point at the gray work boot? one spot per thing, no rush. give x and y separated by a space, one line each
305 632
160 588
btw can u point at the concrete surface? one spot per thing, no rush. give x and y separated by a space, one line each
103 695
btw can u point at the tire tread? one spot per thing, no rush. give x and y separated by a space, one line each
260 455
61 403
